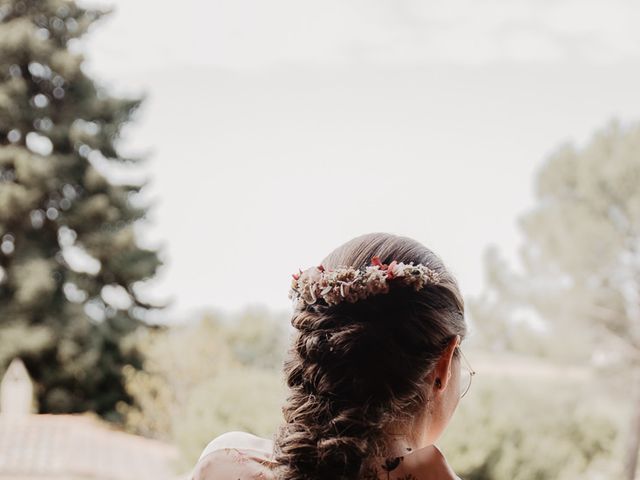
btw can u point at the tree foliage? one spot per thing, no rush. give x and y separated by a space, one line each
208 377
531 428
580 264
69 258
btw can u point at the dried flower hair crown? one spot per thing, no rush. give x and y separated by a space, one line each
351 284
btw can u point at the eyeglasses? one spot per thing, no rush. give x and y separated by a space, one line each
466 374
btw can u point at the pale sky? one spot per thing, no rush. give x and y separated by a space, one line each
279 130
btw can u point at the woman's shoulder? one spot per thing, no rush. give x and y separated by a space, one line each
241 455
427 463
235 455
239 440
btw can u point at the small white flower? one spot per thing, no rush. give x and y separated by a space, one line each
350 284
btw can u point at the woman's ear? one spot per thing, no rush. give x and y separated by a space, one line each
443 369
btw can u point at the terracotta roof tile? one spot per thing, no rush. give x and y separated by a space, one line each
67 446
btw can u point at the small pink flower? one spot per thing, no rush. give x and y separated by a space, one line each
375 260
391 269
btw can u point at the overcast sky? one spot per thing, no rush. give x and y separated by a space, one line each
279 130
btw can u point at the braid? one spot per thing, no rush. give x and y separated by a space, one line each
326 435
356 367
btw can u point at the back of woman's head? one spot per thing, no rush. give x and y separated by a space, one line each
354 369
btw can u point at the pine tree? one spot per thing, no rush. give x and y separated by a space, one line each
69 259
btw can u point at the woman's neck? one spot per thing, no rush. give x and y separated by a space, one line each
398 447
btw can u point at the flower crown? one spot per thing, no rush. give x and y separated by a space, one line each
350 284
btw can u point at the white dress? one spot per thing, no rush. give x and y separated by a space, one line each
237 455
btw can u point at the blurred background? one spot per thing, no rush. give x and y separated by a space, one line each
164 168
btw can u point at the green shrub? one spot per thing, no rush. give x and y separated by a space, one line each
533 429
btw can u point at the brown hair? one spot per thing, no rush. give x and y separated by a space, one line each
353 369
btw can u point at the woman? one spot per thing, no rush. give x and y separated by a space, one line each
374 370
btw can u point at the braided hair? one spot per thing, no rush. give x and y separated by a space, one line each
353 369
